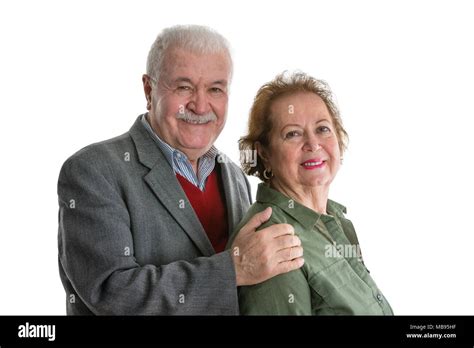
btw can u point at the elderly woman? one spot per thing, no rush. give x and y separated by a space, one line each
296 129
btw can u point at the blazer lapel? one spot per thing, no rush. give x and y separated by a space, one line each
231 197
163 182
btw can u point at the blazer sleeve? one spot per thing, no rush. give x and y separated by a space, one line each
94 225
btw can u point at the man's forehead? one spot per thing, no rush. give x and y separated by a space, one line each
184 65
184 79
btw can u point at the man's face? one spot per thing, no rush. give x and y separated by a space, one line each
189 102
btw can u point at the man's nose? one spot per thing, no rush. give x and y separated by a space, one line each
199 103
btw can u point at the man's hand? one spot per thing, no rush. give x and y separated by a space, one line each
263 255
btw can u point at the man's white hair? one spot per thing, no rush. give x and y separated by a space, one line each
192 38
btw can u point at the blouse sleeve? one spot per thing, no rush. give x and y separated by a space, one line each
285 294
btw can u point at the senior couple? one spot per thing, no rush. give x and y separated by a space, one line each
152 223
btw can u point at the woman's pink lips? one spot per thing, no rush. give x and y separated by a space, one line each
315 160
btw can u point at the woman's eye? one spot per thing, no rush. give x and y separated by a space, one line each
291 134
324 129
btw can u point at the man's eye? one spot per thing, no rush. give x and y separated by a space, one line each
184 88
216 90
291 134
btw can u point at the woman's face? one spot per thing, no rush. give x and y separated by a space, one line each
304 151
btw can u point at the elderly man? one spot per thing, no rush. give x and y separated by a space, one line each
144 217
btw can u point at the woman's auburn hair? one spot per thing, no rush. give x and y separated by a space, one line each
260 120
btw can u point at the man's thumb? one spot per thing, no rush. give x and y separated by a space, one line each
258 219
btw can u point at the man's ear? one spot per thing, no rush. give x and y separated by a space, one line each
147 89
262 152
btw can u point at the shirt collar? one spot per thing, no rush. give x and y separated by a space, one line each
305 216
169 152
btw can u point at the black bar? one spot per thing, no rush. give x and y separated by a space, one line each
131 330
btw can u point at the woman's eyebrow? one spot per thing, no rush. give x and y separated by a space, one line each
299 125
292 125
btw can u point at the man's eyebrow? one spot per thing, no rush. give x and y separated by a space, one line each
220 82
183 79
188 80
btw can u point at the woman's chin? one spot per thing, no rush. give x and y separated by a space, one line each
317 182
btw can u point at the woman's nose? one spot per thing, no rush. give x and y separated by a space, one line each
311 144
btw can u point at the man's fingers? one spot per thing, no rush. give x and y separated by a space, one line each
257 220
286 241
287 266
289 254
278 230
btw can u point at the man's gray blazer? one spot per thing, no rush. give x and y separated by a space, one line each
130 242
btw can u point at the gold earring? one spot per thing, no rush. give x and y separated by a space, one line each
266 175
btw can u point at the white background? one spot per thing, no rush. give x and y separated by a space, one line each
402 72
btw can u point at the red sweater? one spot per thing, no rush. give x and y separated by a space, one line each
210 208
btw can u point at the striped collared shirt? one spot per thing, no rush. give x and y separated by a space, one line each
180 163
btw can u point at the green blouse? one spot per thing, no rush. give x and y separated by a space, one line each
333 279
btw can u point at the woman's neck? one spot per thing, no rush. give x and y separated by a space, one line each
314 197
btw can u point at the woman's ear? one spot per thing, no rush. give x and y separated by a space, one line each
262 152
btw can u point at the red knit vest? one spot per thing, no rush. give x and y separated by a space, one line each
210 208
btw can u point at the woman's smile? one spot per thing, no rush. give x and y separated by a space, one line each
314 163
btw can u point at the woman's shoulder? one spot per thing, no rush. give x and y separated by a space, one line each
277 217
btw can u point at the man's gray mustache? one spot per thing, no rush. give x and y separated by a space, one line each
192 117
